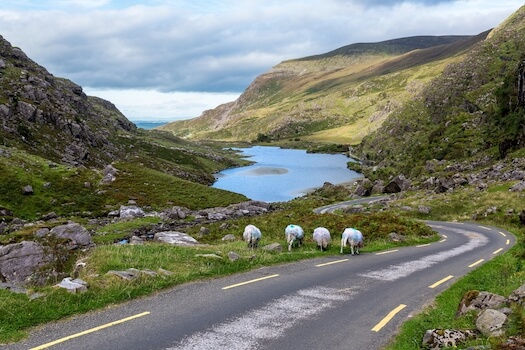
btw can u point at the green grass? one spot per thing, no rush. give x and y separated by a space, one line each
71 191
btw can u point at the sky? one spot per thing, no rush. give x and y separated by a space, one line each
165 60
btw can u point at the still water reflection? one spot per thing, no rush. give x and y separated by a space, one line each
282 174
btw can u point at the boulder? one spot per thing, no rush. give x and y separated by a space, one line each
398 184
73 285
364 188
518 296
20 262
76 235
435 339
175 238
274 247
490 322
233 256
131 211
477 301
27 190
519 187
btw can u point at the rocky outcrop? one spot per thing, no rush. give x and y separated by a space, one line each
35 262
53 116
492 314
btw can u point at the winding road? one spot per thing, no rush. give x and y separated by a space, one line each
334 302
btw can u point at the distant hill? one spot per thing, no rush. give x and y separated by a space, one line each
340 96
474 112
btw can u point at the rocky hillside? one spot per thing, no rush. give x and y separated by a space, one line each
470 116
55 143
51 116
339 96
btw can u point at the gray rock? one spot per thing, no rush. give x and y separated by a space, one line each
73 285
13 288
213 256
519 187
477 301
490 322
398 184
135 240
76 235
233 256
423 209
518 296
131 211
127 275
435 339
175 238
229 237
273 247
396 237
19 262
27 190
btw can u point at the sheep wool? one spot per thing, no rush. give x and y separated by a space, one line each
322 237
352 237
294 233
252 235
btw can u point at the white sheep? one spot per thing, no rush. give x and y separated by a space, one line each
322 237
354 238
252 235
294 233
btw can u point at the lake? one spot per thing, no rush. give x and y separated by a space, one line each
280 174
148 125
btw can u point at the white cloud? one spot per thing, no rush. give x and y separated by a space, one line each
216 46
142 105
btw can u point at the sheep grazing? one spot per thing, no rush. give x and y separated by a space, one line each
322 237
294 233
354 238
252 235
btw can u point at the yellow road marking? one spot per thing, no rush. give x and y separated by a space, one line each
476 263
331 262
443 240
76 335
422 245
508 242
387 318
441 281
501 233
387 252
251 281
486 228
497 251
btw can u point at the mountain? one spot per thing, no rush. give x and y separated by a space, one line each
340 96
57 141
473 113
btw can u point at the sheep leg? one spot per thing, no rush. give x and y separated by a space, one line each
343 244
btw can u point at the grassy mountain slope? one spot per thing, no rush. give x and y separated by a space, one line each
474 110
339 96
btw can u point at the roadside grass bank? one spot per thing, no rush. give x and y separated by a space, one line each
496 206
501 275
174 265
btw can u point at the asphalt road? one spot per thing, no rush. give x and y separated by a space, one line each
335 302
